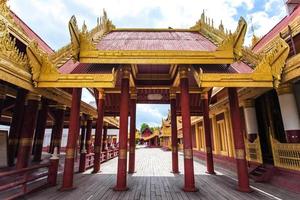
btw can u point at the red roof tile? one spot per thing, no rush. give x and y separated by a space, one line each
155 40
276 30
68 67
31 34
237 67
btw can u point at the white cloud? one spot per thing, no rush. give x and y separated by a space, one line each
264 20
49 18
150 114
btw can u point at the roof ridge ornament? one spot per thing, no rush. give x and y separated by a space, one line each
266 74
8 16
274 61
8 49
40 62
80 40
235 41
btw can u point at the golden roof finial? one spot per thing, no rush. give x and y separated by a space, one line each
203 16
84 27
221 27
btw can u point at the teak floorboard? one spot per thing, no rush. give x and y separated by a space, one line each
154 181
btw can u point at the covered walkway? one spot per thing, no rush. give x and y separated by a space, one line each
153 180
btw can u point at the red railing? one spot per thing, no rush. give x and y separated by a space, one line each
16 182
89 160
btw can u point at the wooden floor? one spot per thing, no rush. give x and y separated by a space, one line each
153 180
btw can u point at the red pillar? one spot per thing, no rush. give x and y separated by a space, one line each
89 126
40 132
98 135
242 170
58 127
83 133
189 179
27 131
207 129
15 126
174 138
123 134
133 97
104 143
72 140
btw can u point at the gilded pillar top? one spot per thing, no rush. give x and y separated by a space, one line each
285 88
133 93
183 71
249 103
204 95
172 93
60 107
126 72
33 96
101 94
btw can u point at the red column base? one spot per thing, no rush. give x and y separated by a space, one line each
64 189
246 190
95 172
211 173
130 172
185 189
175 172
120 189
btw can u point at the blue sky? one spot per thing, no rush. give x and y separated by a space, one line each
49 19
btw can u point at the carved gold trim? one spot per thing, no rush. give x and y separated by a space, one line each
266 74
172 93
33 96
155 57
122 154
61 107
208 150
204 95
249 103
183 72
25 142
125 72
70 152
133 93
101 94
240 154
286 88
188 153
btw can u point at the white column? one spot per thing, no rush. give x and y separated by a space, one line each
250 119
289 112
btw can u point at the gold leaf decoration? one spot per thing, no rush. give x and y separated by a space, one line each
75 40
8 49
274 61
40 63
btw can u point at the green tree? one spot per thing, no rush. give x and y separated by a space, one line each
143 127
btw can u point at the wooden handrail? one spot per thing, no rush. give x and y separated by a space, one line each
253 150
26 175
286 155
19 171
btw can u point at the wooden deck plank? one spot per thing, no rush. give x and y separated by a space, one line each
153 180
